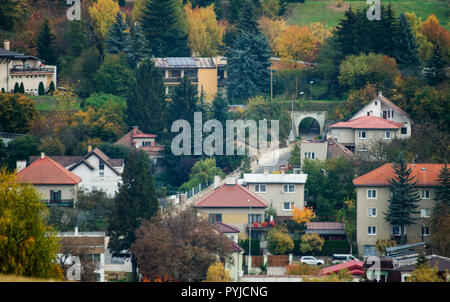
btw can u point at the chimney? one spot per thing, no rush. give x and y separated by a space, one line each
230 181
380 94
42 155
216 181
135 129
20 165
6 44
76 231
89 148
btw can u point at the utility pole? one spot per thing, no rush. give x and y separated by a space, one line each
249 261
310 96
271 83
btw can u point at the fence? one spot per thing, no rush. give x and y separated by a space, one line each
197 189
270 260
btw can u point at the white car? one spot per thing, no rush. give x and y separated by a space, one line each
311 260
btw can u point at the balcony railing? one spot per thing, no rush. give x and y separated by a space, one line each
31 70
60 202
178 79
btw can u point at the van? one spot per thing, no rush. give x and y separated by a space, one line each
341 258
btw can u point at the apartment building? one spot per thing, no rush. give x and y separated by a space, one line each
20 68
372 200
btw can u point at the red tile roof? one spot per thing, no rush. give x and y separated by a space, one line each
368 122
47 171
325 225
391 104
143 135
230 196
355 267
425 174
225 228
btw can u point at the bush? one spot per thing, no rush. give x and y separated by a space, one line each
302 269
279 242
256 248
41 89
329 248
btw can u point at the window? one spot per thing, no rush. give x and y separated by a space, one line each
372 212
287 206
146 144
254 218
260 188
396 230
425 213
101 165
309 155
213 218
102 174
371 194
361 134
289 188
404 130
426 194
95 257
387 135
175 73
55 195
425 231
191 73
371 230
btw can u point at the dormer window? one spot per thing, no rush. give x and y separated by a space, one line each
146 144
101 165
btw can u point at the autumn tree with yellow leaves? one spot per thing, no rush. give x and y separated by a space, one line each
28 247
304 215
103 14
205 34
217 273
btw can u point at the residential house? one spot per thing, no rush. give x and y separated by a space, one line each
146 142
20 68
81 252
378 268
201 71
442 264
96 170
384 108
355 267
235 265
372 201
234 205
117 268
327 230
282 191
323 149
361 134
56 184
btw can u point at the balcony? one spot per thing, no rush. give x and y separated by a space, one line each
31 70
59 202
178 79
264 226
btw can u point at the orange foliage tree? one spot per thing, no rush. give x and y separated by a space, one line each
297 43
303 216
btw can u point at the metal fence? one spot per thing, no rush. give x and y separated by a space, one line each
194 191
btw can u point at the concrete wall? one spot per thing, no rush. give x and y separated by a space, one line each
318 148
372 137
344 136
383 228
207 80
67 191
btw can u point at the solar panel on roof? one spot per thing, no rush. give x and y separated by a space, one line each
181 62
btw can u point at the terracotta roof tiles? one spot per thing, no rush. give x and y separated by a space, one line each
230 196
368 122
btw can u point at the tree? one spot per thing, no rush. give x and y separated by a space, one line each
8 14
425 47
271 8
436 67
272 29
404 199
295 157
21 88
114 76
424 274
41 89
103 14
278 241
52 146
440 219
45 47
51 87
184 102
181 247
348 215
136 200
146 99
28 247
406 52
138 10
303 216
202 172
217 273
311 243
21 148
16 113
16 88
204 32
382 244
296 43
117 37
435 33
164 29
136 46
248 14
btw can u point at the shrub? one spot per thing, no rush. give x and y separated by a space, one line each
329 248
302 269
279 242
41 89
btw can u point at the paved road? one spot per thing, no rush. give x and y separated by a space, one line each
272 160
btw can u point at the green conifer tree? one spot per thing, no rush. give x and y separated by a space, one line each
21 88
16 88
405 48
41 89
51 88
436 66
136 49
117 38
45 45
403 202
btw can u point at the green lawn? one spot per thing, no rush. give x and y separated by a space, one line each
317 11
43 102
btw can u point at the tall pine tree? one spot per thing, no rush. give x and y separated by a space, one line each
44 44
146 99
162 26
404 199
436 66
117 38
136 49
405 48
183 104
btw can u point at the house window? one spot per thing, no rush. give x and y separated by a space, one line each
426 194
289 188
309 155
260 188
396 230
176 73
146 144
213 218
95 258
372 194
102 174
404 130
425 213
372 212
287 206
425 231
254 218
55 195
361 134
101 165
191 73
387 135
372 230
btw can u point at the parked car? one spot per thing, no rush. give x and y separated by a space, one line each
311 260
341 258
